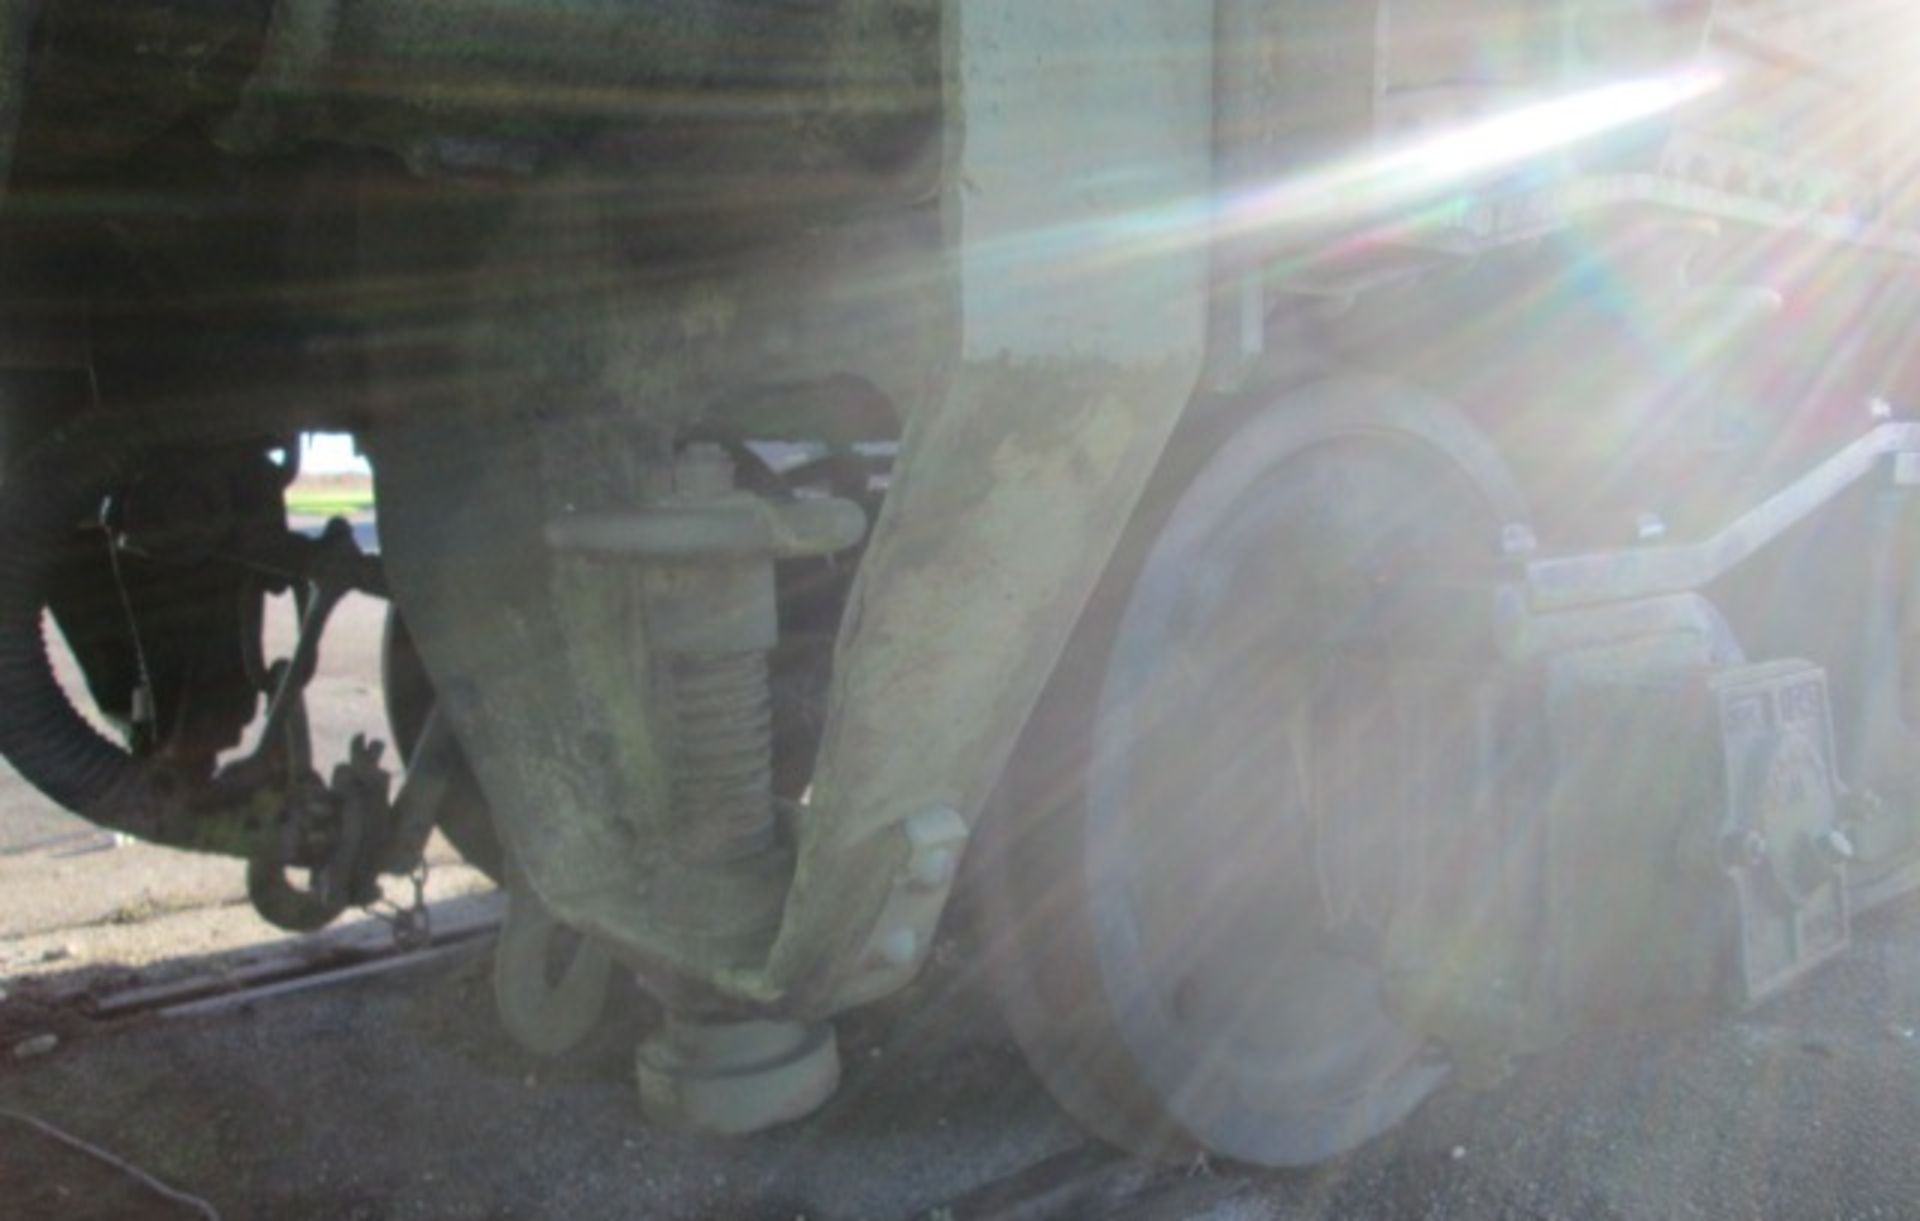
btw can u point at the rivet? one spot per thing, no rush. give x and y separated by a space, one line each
898 947
932 869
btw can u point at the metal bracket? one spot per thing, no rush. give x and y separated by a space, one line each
1646 572
1525 636
898 946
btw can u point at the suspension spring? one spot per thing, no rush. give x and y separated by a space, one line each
706 551
723 755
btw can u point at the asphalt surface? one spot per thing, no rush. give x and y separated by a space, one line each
397 1097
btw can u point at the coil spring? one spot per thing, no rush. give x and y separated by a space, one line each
723 755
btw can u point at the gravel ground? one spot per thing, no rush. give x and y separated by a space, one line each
397 1098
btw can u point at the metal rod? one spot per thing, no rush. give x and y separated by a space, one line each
1645 572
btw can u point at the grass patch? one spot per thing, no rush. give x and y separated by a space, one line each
322 501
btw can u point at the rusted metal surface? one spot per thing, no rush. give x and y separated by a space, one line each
459 88
1080 297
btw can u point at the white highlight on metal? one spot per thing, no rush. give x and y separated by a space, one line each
1452 158
1616 576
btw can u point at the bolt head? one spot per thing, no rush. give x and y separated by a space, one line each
934 837
897 947
1837 847
1861 806
1743 849
1517 540
931 869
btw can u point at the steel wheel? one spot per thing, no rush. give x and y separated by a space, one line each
1215 818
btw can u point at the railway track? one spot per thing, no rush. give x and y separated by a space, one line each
1773 1113
1086 1180
106 995
1094 1181
1083 1180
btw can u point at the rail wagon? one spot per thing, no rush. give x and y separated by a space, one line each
1348 540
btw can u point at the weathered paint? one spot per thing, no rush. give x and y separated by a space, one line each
1076 200
1076 196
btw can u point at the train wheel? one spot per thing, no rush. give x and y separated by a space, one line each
408 694
1221 800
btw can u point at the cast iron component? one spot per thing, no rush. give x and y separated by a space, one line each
337 833
730 1078
549 982
1696 855
704 553
345 833
704 557
427 744
269 805
936 839
1229 808
1000 514
332 831
1776 738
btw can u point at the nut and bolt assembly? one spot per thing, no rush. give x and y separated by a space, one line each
1743 849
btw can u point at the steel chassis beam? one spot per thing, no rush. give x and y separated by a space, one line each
1077 202
1076 199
